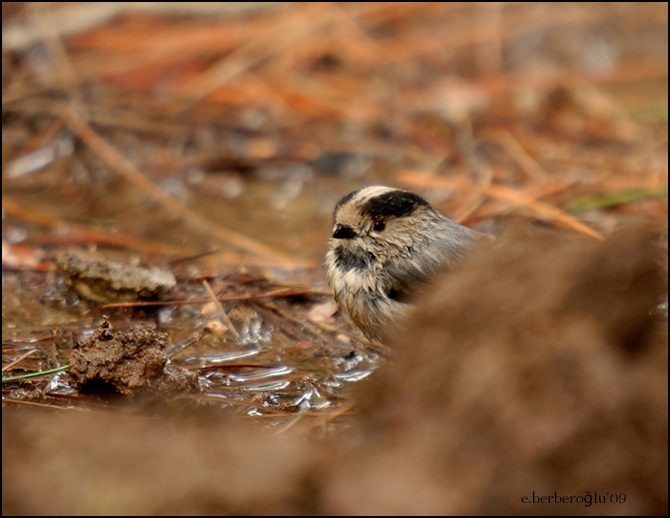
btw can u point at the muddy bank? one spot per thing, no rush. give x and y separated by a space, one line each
539 369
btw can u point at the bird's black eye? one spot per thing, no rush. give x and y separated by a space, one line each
379 225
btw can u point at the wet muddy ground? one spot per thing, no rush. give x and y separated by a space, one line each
170 344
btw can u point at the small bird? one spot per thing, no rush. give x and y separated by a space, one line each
386 243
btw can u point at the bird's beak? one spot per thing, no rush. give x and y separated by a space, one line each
343 232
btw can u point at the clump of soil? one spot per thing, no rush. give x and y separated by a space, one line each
128 361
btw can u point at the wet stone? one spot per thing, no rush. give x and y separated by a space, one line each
98 278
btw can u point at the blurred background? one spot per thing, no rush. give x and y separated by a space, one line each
259 116
226 132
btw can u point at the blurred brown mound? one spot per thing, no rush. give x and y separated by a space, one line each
537 369
97 464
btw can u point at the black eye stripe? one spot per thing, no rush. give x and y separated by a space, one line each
394 204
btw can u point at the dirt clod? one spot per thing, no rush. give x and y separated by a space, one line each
126 360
